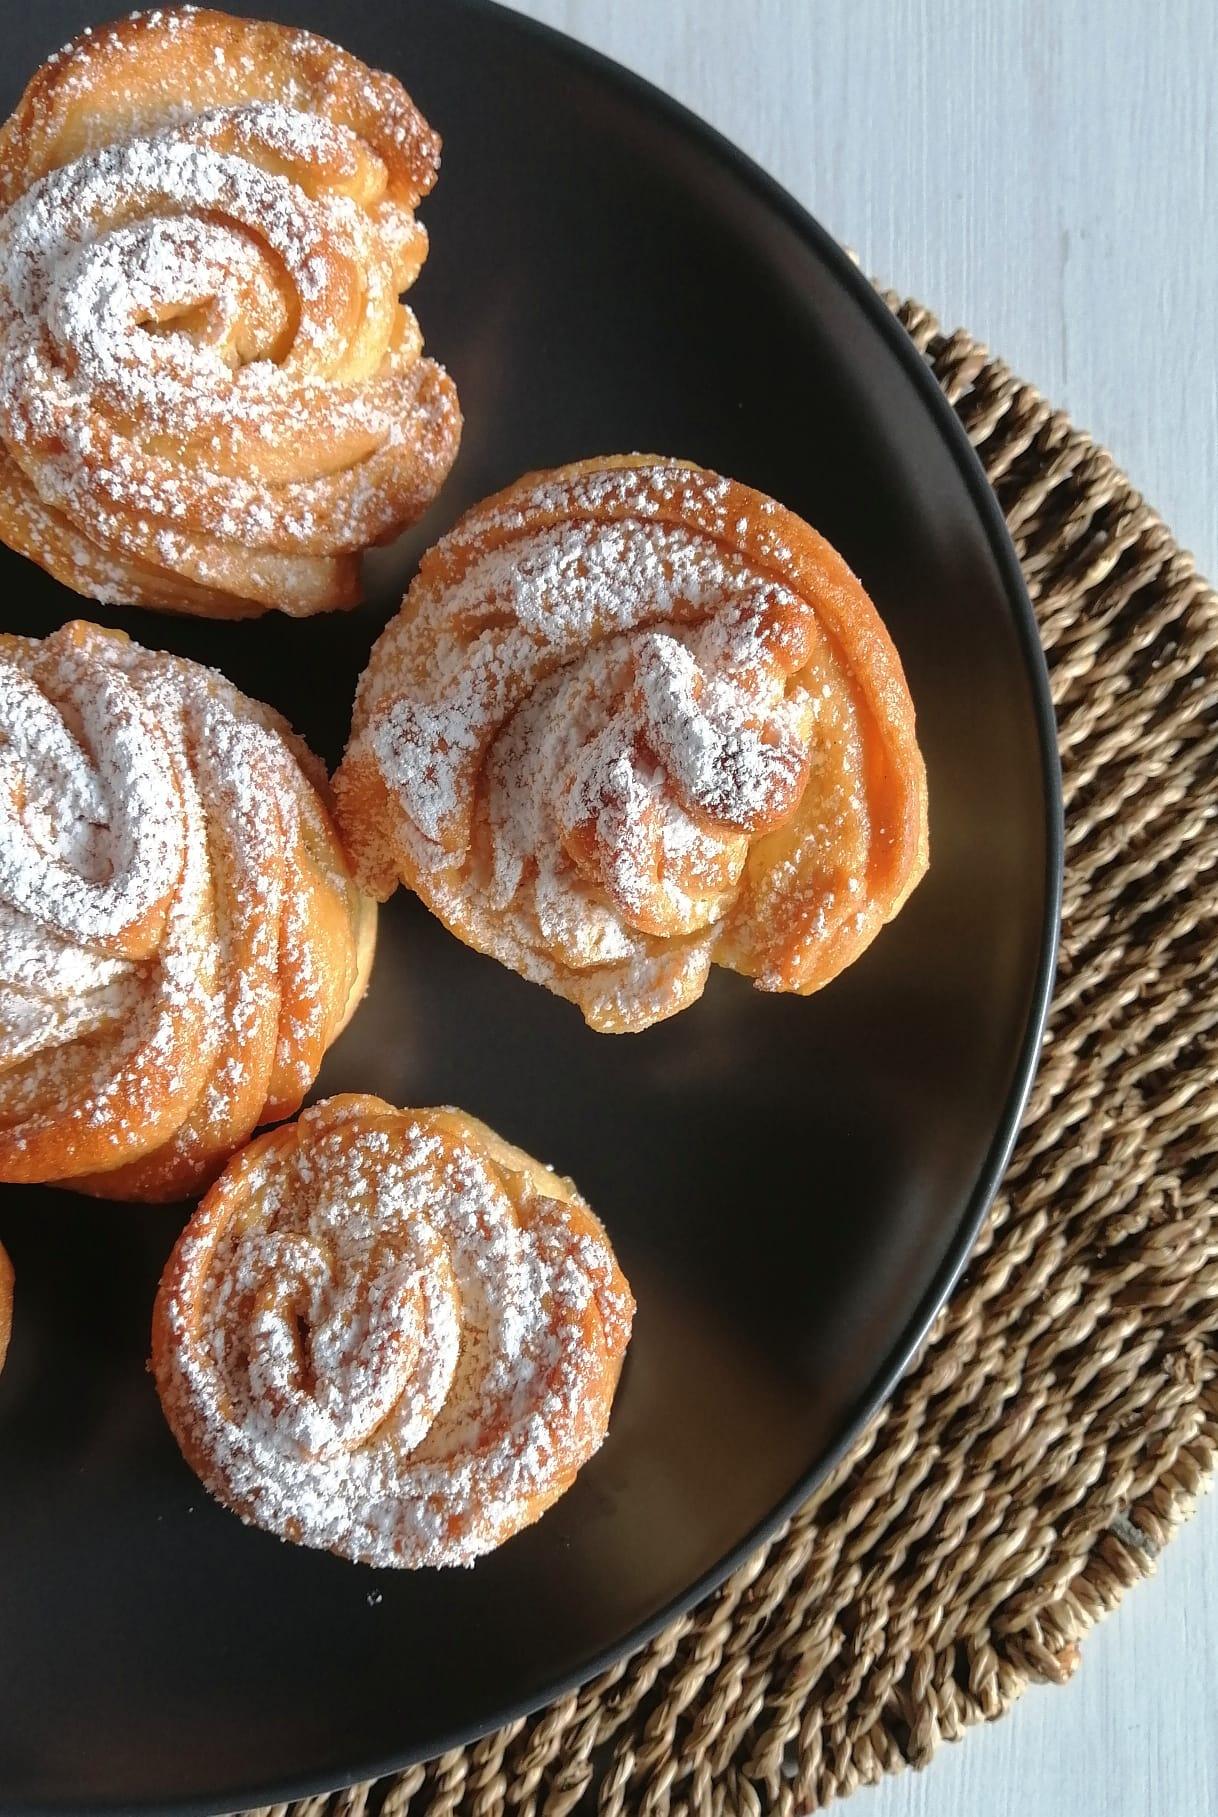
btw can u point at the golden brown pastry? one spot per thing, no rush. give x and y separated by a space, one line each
6 1304
211 398
389 1334
180 938
634 720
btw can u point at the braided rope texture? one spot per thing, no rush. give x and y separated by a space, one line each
1063 1412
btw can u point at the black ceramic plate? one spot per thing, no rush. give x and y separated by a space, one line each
791 1185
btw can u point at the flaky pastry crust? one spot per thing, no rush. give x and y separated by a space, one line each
634 719
212 399
180 936
390 1334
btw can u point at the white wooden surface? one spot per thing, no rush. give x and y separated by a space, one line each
1041 172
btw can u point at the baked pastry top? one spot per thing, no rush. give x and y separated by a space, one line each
180 937
390 1334
212 399
634 719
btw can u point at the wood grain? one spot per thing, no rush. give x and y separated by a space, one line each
1042 172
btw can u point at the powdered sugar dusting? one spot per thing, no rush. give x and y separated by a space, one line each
601 698
204 362
383 1340
153 824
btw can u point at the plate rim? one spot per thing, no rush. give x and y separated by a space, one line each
770 194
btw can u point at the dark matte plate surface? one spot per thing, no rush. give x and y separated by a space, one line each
791 1184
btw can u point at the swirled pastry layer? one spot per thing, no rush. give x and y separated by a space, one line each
180 937
390 1334
211 396
632 720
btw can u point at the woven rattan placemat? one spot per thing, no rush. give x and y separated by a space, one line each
1064 1410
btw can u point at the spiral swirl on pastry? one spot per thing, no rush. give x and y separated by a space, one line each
180 937
389 1334
211 397
634 719
6 1304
